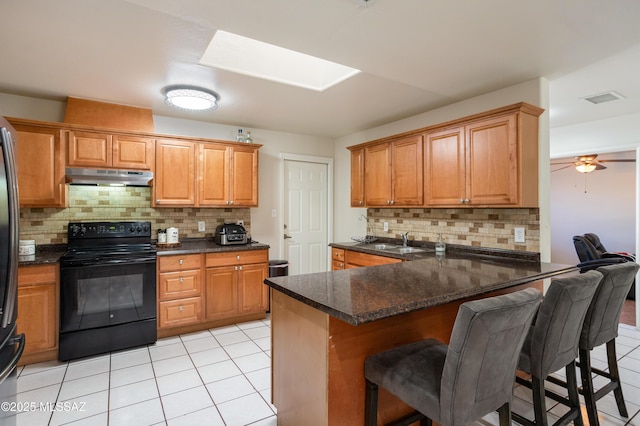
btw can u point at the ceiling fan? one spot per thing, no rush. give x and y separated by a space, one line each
588 163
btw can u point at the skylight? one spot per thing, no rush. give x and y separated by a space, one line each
251 57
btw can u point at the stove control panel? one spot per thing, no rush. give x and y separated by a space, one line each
79 230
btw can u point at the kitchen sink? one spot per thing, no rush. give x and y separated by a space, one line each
384 246
392 248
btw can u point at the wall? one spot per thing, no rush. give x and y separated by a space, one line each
601 202
533 92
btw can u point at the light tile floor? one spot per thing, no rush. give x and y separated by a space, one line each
222 377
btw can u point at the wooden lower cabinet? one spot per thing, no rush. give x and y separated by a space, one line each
337 259
200 291
354 259
179 290
38 312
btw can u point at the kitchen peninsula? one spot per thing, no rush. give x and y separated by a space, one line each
324 325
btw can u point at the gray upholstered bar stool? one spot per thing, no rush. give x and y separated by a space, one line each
552 343
600 327
465 380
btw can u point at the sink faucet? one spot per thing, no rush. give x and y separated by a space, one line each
405 238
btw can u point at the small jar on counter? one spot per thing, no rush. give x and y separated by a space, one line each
162 236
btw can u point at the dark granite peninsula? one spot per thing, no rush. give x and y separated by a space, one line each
324 325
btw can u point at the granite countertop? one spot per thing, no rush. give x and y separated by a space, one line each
46 254
363 295
207 246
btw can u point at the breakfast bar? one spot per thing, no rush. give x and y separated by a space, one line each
324 325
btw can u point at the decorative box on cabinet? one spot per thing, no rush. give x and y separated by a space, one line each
40 155
179 290
38 312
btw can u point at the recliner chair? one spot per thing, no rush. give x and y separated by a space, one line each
593 254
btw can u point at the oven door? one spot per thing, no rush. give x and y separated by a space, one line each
104 293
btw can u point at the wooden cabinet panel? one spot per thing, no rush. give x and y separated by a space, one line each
214 175
492 162
377 175
133 152
354 259
337 265
179 284
444 157
89 149
38 312
174 313
40 156
393 173
406 172
236 258
221 292
253 292
357 178
174 180
337 254
179 262
244 176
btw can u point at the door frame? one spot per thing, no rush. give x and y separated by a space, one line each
328 161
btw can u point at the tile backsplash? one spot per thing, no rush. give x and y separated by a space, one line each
490 228
104 203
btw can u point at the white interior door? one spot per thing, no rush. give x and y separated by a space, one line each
306 188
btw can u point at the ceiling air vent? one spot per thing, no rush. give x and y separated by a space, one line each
604 97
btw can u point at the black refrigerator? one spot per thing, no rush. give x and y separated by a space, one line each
11 346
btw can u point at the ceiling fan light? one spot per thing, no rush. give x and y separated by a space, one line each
586 167
191 98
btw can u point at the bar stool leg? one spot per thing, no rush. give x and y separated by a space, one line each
539 403
572 388
587 387
505 415
615 377
371 404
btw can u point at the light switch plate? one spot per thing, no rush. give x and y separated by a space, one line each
518 235
201 226
386 226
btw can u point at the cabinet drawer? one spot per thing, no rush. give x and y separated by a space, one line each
179 263
237 258
180 284
337 254
33 275
355 259
337 265
180 312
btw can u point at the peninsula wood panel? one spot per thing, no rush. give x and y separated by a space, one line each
318 377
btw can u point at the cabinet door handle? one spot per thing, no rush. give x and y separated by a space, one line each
157 201
360 203
181 279
238 257
235 268
180 308
466 201
391 202
241 268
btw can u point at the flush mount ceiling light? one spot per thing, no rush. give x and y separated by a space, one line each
243 55
191 98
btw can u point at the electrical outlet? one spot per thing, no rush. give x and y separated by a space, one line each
240 222
386 226
518 235
201 226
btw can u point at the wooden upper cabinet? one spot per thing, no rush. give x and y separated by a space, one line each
244 176
89 149
492 162
477 165
105 150
40 159
214 175
175 176
228 175
444 170
133 152
357 177
393 173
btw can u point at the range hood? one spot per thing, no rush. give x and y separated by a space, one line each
82 176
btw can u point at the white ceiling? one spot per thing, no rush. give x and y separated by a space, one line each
415 55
